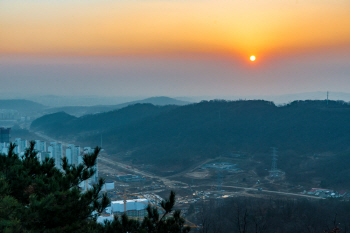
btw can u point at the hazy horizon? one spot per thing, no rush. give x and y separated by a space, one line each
91 100
172 77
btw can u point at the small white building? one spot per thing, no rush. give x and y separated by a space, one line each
134 208
109 185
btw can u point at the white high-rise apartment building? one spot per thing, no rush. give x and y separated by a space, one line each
37 145
43 146
76 154
72 154
22 145
56 153
40 146
18 146
69 155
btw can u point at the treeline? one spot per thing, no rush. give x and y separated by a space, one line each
61 124
173 135
243 215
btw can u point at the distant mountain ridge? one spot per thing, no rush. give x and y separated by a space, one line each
277 99
160 100
83 110
21 105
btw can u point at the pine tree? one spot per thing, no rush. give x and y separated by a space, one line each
46 199
153 222
37 197
9 208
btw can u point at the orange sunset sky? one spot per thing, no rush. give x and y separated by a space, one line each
175 47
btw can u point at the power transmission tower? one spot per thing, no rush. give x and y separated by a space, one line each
274 172
327 97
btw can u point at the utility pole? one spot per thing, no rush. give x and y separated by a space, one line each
124 200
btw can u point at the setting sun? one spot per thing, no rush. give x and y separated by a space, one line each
252 58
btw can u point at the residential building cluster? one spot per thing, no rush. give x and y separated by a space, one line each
13 115
55 150
9 114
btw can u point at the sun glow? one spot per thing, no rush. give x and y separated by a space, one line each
252 58
165 27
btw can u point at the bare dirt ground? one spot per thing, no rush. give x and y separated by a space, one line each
198 175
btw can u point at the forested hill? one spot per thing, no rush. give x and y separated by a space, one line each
177 135
64 125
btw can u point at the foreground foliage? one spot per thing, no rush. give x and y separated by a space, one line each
275 214
37 197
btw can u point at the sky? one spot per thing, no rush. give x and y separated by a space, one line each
174 47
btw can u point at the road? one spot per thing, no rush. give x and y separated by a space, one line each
166 181
115 164
49 139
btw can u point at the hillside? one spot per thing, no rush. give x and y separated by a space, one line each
211 128
60 120
175 137
62 124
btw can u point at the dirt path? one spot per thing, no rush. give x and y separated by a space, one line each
192 168
275 192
